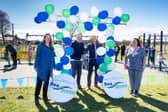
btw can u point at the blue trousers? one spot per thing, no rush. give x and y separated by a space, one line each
135 77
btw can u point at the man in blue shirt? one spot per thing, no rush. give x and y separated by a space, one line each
76 63
91 48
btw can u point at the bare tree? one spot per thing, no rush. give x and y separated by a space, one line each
4 24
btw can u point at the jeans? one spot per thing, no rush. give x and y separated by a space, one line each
77 70
92 63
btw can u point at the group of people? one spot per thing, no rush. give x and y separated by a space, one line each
120 50
151 55
44 63
15 54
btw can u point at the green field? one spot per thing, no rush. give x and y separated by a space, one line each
152 99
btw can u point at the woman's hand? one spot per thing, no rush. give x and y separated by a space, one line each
143 68
125 66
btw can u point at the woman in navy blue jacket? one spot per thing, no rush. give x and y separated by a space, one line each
44 64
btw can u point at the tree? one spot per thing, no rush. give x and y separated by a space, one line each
4 24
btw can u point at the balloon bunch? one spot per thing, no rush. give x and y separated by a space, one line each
85 23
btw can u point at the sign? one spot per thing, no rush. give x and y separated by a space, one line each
62 88
114 84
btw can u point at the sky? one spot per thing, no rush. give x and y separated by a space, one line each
147 16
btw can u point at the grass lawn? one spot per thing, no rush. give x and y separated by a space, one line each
152 99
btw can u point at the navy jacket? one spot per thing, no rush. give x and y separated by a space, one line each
92 51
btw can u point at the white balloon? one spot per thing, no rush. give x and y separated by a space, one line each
84 17
94 11
67 66
52 18
101 51
100 73
102 39
59 52
118 11
73 19
109 32
55 72
111 67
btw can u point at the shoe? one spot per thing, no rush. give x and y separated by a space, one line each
45 98
79 87
136 93
132 92
36 100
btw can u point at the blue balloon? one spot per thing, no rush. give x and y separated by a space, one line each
103 14
110 52
68 50
64 60
101 27
60 24
110 38
67 40
88 26
100 79
100 60
116 20
74 10
70 71
37 20
59 66
43 16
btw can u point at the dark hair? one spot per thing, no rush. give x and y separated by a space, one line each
51 42
138 42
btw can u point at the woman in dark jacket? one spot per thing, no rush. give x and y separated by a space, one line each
44 64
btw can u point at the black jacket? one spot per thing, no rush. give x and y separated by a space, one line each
78 50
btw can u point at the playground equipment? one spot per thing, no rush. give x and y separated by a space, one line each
154 40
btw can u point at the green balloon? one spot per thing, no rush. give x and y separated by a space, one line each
57 60
49 8
96 20
64 71
81 28
59 36
103 67
68 26
66 13
56 46
125 17
110 44
107 60
111 26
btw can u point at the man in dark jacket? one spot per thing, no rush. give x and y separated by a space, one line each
91 48
123 48
12 50
76 63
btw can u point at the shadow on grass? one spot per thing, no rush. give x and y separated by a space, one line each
87 103
40 108
156 103
126 104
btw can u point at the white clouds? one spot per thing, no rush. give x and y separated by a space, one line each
120 33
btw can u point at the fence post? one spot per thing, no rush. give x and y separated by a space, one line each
161 48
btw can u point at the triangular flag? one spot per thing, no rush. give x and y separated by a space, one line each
165 80
152 79
35 80
20 81
4 83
